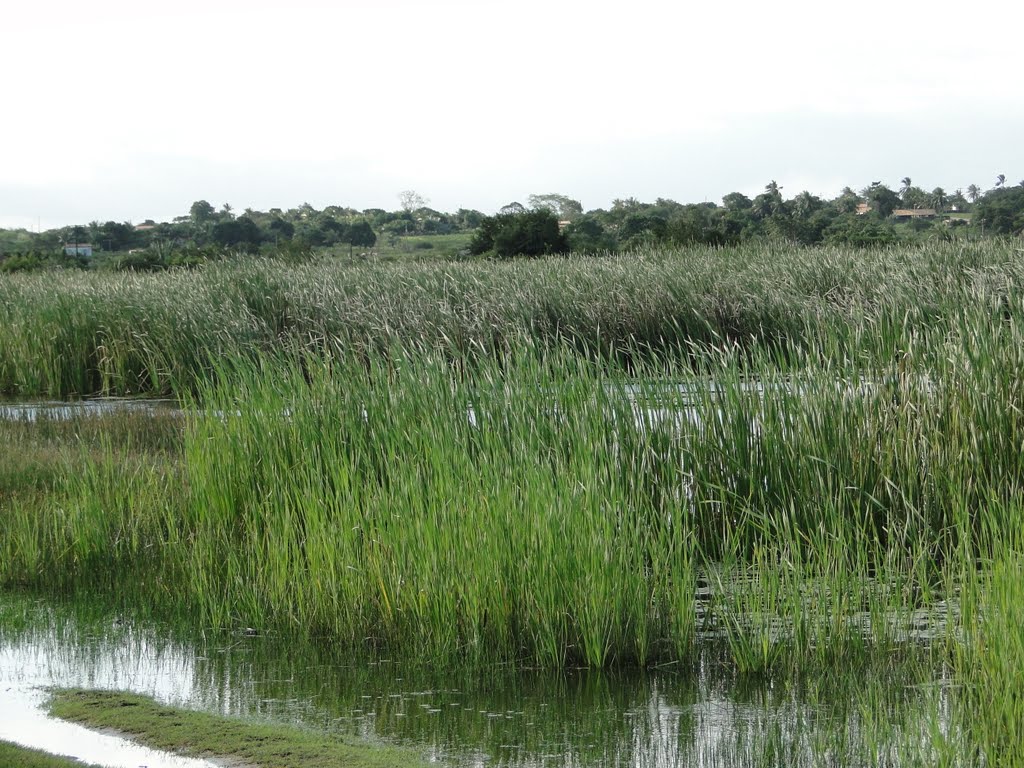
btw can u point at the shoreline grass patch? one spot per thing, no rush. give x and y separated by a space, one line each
198 734
23 757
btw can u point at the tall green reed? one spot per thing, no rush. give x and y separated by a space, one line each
83 334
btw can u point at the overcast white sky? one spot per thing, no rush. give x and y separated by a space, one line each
129 110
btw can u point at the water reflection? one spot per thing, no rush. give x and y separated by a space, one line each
700 715
65 410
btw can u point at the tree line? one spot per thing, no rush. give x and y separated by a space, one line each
547 223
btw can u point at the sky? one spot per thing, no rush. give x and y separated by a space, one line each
126 111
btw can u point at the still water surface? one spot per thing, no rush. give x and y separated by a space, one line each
702 715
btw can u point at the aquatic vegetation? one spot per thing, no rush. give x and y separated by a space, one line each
84 334
804 459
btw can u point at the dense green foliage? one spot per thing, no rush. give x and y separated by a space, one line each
530 233
1001 212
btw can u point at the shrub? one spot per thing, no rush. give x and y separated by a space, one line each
530 233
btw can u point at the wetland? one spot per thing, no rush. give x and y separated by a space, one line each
714 507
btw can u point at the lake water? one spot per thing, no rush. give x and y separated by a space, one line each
63 410
701 715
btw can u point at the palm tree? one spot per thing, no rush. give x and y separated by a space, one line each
906 184
805 203
939 198
847 200
770 201
973 193
1000 180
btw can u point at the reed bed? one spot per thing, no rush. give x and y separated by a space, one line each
552 510
85 334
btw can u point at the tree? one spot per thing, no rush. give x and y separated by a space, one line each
565 208
699 224
957 202
329 231
862 231
769 202
201 212
736 201
281 229
905 183
1000 180
973 193
240 233
939 198
805 204
467 218
587 235
1001 211
113 236
847 201
361 234
530 233
915 197
514 208
883 199
410 200
638 229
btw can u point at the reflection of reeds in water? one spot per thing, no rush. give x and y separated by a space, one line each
700 715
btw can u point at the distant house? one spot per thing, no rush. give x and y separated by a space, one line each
863 208
145 226
78 249
914 213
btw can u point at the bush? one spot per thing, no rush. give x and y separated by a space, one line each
140 261
860 231
531 233
34 262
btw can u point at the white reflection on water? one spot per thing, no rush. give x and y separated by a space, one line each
32 665
65 410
